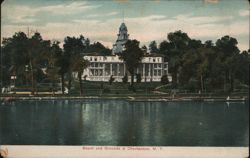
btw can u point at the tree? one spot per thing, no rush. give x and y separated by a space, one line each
174 49
144 49
73 47
21 51
228 51
242 67
37 50
57 64
79 66
132 56
97 47
153 47
61 63
15 54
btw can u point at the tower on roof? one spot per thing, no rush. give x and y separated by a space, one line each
121 39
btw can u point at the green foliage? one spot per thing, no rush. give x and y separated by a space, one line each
144 49
132 56
193 65
138 78
106 90
132 88
212 66
125 78
164 79
73 59
111 80
98 48
153 47
173 50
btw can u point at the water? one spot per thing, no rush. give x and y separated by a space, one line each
117 122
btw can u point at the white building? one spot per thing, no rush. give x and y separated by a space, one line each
101 68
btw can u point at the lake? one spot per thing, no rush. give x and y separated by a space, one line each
124 123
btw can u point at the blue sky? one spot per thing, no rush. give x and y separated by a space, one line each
146 20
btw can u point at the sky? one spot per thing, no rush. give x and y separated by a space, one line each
146 20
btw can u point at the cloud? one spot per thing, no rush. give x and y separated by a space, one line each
18 14
211 1
121 1
144 29
27 14
202 19
244 12
75 7
102 15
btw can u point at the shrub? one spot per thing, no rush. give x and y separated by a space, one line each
138 78
125 78
131 88
85 77
106 90
164 79
111 80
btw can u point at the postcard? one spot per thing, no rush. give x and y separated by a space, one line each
124 78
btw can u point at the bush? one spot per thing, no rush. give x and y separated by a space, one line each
106 90
164 79
101 85
111 80
125 78
85 77
132 88
138 78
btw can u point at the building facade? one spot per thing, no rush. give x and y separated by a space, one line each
101 68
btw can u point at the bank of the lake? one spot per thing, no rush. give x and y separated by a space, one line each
132 97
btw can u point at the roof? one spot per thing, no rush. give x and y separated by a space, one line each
154 55
123 26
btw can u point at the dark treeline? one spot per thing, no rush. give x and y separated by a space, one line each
204 66
193 65
27 57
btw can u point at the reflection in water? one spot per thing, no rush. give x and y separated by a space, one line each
116 122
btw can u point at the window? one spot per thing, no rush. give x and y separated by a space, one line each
155 72
95 59
159 73
90 58
154 60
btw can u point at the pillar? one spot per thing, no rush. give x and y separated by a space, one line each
143 70
149 69
124 69
118 67
162 69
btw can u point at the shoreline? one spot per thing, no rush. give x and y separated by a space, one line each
130 98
